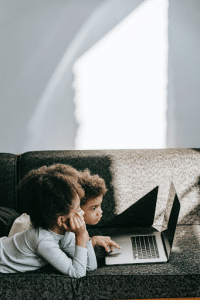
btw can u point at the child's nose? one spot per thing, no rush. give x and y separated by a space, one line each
100 211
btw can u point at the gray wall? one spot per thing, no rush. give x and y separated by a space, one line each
184 74
35 36
42 40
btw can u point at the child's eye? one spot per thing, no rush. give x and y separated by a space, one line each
94 208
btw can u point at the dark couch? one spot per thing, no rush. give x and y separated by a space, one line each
129 176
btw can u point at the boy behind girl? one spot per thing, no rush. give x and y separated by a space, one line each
95 188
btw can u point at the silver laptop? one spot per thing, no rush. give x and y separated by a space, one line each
146 244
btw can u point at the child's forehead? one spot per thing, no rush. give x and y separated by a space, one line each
94 201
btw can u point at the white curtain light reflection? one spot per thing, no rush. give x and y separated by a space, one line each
120 83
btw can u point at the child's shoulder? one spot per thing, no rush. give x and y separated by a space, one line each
39 236
44 234
38 233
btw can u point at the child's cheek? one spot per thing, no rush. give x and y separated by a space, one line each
88 215
85 217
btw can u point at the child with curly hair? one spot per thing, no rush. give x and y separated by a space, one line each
58 236
94 188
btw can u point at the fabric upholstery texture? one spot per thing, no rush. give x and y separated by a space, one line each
8 180
7 217
130 176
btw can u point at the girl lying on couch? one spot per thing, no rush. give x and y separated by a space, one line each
51 196
94 190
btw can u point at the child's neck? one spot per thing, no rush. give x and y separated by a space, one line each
57 229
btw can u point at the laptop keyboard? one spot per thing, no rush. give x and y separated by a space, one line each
144 247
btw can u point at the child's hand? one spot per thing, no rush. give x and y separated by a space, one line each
76 225
104 241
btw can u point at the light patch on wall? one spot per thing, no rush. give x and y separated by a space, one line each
121 83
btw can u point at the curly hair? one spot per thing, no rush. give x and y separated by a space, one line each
48 192
93 185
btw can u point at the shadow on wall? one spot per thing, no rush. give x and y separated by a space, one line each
34 37
40 49
53 125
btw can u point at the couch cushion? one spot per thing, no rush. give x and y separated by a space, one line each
132 174
180 277
8 180
42 284
7 217
21 223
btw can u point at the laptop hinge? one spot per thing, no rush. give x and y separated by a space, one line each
167 239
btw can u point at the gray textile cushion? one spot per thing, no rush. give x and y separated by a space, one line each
180 277
129 176
132 174
8 180
7 217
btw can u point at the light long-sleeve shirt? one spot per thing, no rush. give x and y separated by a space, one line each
34 248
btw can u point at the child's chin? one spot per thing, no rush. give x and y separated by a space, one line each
95 222
92 222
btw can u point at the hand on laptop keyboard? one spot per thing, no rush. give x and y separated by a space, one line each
104 241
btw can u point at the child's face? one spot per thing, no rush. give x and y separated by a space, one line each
92 210
76 209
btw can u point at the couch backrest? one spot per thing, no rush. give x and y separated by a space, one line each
130 175
8 180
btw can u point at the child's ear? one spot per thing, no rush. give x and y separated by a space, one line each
60 221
